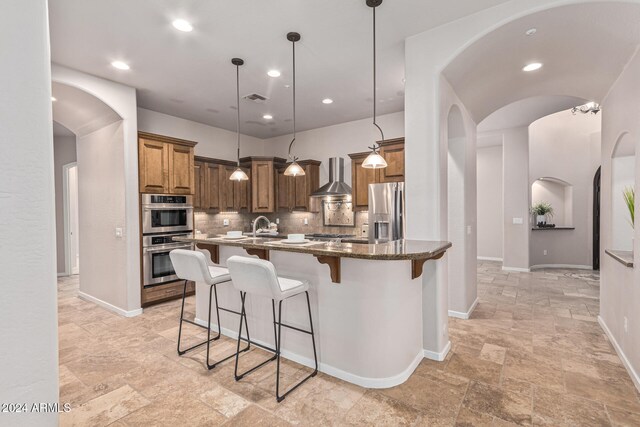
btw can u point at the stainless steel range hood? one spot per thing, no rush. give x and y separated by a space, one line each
336 186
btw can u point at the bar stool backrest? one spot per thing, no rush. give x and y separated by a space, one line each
254 276
191 265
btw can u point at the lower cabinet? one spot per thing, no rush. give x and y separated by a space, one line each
166 292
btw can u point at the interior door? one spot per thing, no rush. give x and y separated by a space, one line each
72 195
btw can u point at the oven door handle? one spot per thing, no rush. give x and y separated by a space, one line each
171 208
151 251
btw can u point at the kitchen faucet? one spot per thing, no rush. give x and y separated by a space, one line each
257 220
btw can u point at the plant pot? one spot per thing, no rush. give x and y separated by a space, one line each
541 219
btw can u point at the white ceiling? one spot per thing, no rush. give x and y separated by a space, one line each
526 111
79 111
583 48
60 130
189 75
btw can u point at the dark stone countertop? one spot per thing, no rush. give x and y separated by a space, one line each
398 250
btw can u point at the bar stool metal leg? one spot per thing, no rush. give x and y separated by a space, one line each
182 319
212 291
280 398
238 377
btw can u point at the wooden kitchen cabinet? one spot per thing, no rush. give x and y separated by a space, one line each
262 183
360 180
166 165
234 195
294 193
198 184
393 152
216 191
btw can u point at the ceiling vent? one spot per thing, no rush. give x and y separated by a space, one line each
255 97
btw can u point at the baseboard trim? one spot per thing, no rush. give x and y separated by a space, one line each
625 361
331 370
569 266
110 307
488 258
464 315
516 269
438 357
63 274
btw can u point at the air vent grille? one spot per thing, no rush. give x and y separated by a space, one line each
255 97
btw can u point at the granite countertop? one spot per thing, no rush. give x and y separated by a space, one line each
398 250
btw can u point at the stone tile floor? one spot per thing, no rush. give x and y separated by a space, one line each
532 354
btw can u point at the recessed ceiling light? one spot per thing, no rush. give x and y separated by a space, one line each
53 99
532 67
267 117
182 25
327 101
120 65
531 31
273 73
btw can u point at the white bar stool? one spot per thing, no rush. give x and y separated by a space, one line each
192 265
259 277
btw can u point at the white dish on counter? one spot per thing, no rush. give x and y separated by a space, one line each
233 237
294 241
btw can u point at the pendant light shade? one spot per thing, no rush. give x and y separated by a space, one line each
238 174
294 169
374 160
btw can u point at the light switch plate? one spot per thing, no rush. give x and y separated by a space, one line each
306 221
225 222
119 232
518 221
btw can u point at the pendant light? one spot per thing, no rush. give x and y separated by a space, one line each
374 160
238 174
294 169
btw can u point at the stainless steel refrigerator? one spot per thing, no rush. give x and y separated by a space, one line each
386 212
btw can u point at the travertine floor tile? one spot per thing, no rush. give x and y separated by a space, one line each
530 354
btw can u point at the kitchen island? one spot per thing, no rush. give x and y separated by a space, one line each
366 302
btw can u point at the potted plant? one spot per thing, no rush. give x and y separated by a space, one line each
629 195
542 211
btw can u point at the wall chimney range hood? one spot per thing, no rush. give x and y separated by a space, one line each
336 187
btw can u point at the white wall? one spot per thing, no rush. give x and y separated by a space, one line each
122 100
64 152
516 199
619 287
560 147
28 307
337 141
101 204
212 142
490 207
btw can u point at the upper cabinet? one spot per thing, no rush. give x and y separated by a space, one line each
393 152
216 191
166 165
294 193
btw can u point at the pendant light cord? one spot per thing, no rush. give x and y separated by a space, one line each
293 43
238 109
375 78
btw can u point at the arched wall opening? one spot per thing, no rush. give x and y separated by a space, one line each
106 231
623 178
427 55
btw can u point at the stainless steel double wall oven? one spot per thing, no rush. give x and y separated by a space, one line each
163 217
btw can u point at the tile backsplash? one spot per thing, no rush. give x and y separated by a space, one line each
290 222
